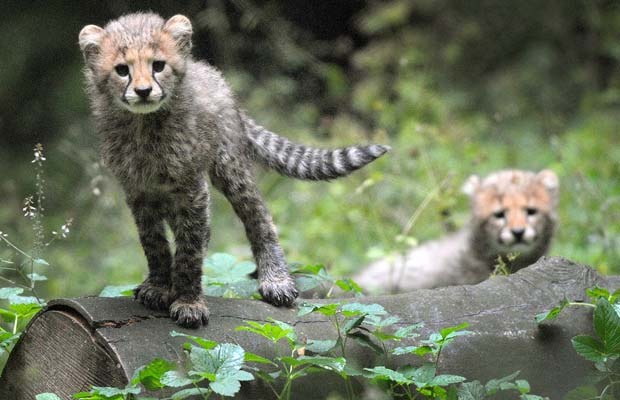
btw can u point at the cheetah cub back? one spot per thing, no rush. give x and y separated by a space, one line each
166 122
513 214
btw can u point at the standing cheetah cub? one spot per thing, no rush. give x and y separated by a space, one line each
167 121
513 214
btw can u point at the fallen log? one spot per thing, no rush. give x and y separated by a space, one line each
75 343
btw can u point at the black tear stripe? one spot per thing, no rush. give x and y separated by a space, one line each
124 97
163 92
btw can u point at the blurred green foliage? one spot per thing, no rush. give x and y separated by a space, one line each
454 87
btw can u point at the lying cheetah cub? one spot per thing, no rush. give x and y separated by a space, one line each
513 213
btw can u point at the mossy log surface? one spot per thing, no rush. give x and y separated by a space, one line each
75 343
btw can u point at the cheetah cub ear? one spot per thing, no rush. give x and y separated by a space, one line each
180 28
551 182
471 185
90 40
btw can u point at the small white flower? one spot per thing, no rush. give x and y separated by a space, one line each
38 153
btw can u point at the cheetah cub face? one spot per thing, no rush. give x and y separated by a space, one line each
514 211
137 63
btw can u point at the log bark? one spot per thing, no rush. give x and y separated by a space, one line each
75 343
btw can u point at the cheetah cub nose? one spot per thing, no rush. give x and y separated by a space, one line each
143 91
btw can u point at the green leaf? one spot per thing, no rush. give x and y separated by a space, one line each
407 331
251 357
355 309
450 331
530 397
582 392
200 341
8 292
25 310
320 346
221 366
364 340
377 321
589 348
271 331
523 386
385 374
184 394
47 396
417 350
423 375
597 292
224 269
118 291
220 261
353 323
325 309
348 285
14 300
175 379
607 325
36 277
494 385
107 393
226 386
471 391
151 374
553 313
445 380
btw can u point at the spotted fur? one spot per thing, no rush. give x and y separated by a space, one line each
513 213
166 121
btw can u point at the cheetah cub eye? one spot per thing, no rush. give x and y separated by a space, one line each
158 66
122 70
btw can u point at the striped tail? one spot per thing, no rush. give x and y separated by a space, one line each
302 162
